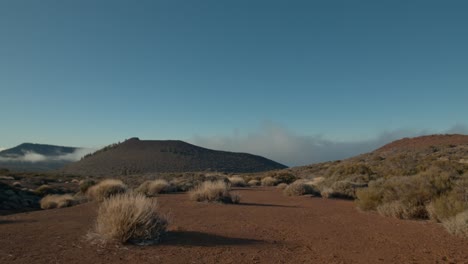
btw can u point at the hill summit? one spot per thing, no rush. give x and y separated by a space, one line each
135 156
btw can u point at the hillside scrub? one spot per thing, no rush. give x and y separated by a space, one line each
52 201
217 191
129 217
457 225
254 183
342 189
85 185
106 189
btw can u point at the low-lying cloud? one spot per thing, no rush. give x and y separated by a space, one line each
33 157
278 143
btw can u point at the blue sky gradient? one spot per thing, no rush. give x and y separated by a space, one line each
90 73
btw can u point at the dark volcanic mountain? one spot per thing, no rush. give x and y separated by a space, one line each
36 157
136 156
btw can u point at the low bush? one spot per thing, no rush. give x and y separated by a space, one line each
237 181
254 183
445 206
129 217
106 189
282 186
269 181
457 225
342 189
213 192
400 210
300 187
57 201
367 198
153 188
85 185
44 190
285 177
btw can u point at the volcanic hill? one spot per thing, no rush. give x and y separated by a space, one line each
136 156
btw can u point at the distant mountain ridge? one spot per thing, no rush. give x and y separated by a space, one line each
136 156
37 157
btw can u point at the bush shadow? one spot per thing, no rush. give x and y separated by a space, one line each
194 238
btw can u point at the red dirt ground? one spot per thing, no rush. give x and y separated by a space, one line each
266 228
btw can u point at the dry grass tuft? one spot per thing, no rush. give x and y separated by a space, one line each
282 186
300 187
457 225
254 183
153 188
129 217
57 201
237 181
269 181
217 191
106 189
85 185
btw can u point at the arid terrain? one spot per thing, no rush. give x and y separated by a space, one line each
267 227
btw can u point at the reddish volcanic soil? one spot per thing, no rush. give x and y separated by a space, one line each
423 142
266 228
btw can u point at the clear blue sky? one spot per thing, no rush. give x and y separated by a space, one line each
89 73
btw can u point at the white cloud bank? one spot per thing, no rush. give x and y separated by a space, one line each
33 157
280 144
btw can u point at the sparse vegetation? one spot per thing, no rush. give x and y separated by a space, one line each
153 188
85 185
106 189
57 201
282 186
458 225
254 183
217 191
269 181
237 181
44 190
129 217
300 187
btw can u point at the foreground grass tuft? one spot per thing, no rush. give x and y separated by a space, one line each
129 217
217 191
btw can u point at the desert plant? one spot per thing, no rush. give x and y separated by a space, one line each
57 201
213 192
457 225
106 189
282 186
445 206
254 183
269 181
367 198
299 187
85 184
153 188
400 210
129 217
342 189
285 177
237 181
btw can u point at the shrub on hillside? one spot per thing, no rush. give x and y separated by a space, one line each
129 217
106 189
57 201
400 210
445 206
342 189
153 188
237 181
285 177
368 198
44 190
269 181
213 192
457 225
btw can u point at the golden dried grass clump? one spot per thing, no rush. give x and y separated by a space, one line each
237 181
106 189
217 191
153 188
129 217
457 225
300 187
253 183
269 181
57 201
